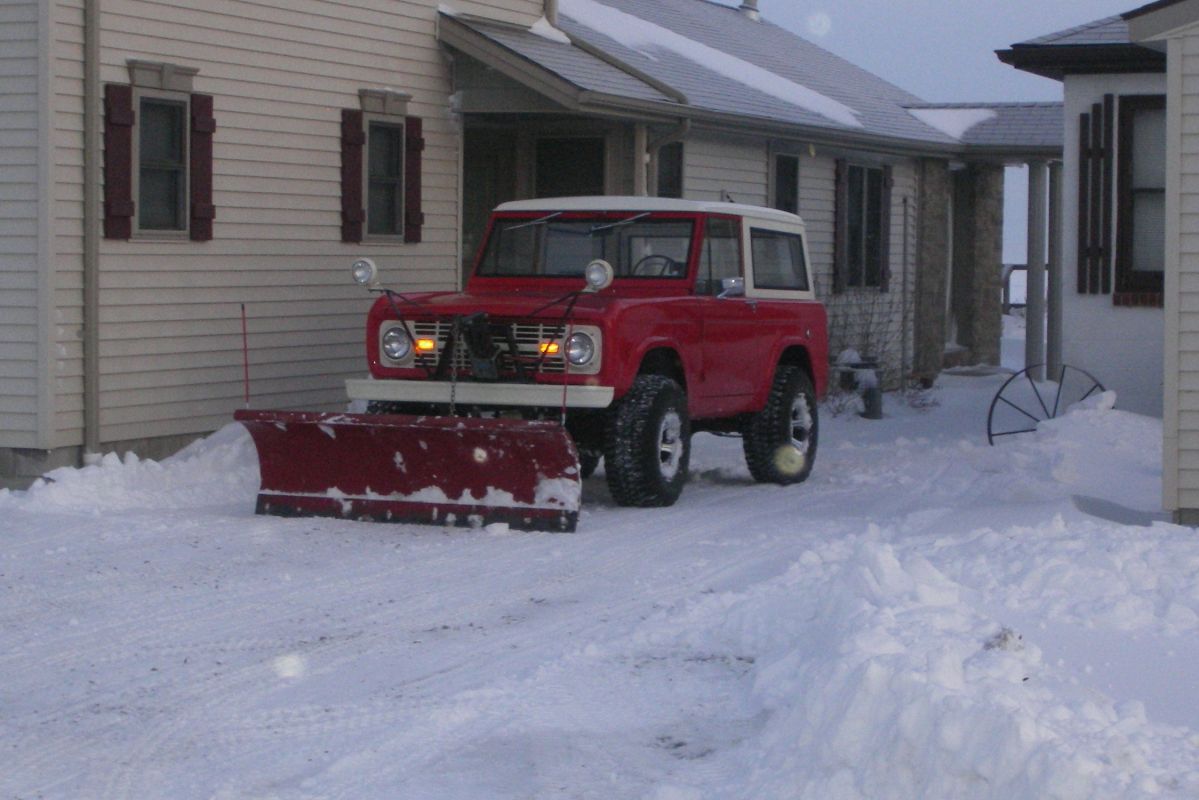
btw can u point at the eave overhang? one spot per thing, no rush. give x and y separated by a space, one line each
1058 61
457 34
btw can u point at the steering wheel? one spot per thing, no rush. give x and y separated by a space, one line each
664 263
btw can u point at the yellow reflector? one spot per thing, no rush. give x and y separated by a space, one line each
426 345
550 347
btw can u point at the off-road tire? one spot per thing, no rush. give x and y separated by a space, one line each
781 424
647 444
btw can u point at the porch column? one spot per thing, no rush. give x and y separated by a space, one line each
1053 334
1034 321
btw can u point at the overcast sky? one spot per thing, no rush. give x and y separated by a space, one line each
941 50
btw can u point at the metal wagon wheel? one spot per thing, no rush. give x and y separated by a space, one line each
1022 403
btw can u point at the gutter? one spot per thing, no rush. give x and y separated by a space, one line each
92 126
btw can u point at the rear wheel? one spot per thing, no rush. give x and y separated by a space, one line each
780 440
648 444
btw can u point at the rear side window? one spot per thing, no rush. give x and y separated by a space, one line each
778 260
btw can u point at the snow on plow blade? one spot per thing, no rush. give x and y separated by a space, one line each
431 470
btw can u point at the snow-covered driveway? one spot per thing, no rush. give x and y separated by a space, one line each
927 617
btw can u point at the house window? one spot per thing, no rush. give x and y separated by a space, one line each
158 137
670 170
385 179
863 219
382 147
1141 216
786 183
162 165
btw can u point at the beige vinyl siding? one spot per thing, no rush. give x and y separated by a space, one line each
280 74
522 12
720 167
19 229
860 318
1181 480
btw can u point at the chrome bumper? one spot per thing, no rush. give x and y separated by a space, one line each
483 394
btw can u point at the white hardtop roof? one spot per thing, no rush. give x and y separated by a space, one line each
630 203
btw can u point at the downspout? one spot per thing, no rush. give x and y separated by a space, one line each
551 12
92 126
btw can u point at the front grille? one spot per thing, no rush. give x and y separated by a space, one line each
528 338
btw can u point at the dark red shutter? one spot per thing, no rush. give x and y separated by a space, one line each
118 161
1109 184
200 177
1084 201
884 267
841 227
353 137
414 146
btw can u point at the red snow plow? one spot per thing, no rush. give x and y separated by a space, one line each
592 328
432 470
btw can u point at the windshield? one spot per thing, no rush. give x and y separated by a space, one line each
636 246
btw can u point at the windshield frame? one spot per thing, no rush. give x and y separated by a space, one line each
604 221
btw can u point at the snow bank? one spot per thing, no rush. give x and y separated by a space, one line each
220 470
927 617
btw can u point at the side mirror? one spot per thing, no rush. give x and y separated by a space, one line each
731 287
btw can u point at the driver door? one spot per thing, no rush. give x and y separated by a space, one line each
727 323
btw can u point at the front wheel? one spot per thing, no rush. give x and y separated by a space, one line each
647 447
780 440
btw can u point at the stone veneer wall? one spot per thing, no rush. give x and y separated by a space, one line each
932 256
978 260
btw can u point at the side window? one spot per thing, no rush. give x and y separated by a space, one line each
162 164
385 179
381 153
862 227
721 255
670 170
786 183
158 138
778 260
1141 194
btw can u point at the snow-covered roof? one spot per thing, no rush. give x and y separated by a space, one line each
1006 127
701 59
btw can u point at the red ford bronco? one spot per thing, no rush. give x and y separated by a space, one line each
637 321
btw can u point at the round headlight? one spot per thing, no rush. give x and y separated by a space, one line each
396 344
599 275
580 349
365 272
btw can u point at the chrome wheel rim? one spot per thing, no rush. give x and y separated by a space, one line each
670 444
801 424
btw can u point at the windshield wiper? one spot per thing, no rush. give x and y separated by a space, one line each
597 228
531 223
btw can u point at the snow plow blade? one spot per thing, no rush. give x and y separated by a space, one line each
431 470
